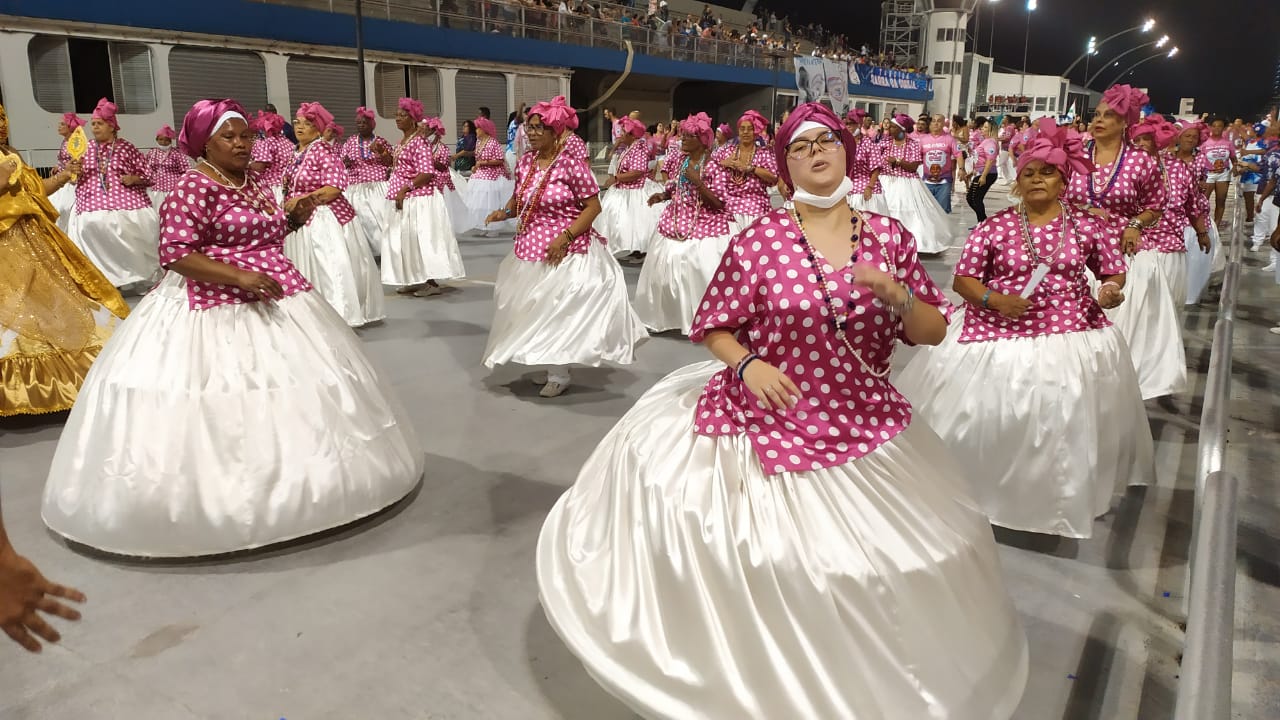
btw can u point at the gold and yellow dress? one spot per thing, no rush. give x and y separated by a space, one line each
56 308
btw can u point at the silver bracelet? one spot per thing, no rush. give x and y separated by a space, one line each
907 305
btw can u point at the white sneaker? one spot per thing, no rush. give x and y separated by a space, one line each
428 291
1275 330
553 389
1270 267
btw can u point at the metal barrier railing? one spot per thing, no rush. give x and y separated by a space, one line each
1204 685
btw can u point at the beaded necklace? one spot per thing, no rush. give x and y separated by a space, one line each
1028 241
526 212
104 168
1115 172
248 190
686 190
840 320
298 157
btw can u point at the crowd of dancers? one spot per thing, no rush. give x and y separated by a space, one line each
780 531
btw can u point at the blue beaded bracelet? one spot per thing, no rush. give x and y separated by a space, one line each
744 362
985 298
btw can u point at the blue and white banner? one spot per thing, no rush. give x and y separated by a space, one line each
888 78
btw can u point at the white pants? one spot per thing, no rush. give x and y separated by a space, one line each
1264 223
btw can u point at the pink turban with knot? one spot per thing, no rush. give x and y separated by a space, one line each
269 123
1160 130
904 121
72 121
810 113
699 126
856 115
106 112
632 127
485 125
1184 125
367 114
436 125
758 123
203 120
1126 101
338 130
1056 146
556 114
315 114
166 132
412 108
725 130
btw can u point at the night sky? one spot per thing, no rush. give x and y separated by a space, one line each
1214 64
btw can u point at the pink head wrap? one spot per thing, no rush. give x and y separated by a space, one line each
810 112
338 130
555 114
700 127
485 125
315 114
72 120
725 130
1056 146
367 114
269 123
436 125
1126 101
166 132
413 108
631 126
1203 129
106 112
1160 130
202 121
905 122
856 115
758 123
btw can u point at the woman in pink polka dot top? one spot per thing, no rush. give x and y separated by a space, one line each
866 194
115 224
368 159
751 171
779 502
330 248
64 198
1186 151
1035 392
905 195
626 218
165 165
490 185
420 247
560 298
692 233
441 155
1151 318
233 409
272 152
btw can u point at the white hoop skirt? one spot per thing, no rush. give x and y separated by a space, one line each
693 586
1150 320
372 208
576 313
1199 265
64 201
124 244
459 213
200 432
157 197
1050 429
627 219
910 203
337 261
674 278
420 245
483 197
875 205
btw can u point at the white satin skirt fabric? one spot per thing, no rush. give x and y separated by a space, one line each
1150 320
875 205
576 313
483 197
64 201
1199 265
910 203
459 214
337 260
420 244
211 431
157 198
124 244
693 586
627 220
741 222
372 212
459 180
1050 429
674 278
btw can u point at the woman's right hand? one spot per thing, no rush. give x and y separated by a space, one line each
496 216
656 198
1010 306
260 284
868 193
771 386
400 200
74 167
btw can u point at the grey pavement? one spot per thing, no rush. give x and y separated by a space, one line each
430 611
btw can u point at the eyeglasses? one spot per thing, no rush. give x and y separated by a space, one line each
534 129
823 144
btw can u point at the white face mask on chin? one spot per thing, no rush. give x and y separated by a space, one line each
824 201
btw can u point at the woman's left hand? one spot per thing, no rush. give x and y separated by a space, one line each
1110 296
888 290
1130 240
130 180
558 250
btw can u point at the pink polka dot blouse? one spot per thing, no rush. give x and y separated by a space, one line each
440 157
908 151
747 194
1182 202
634 158
99 187
687 216
243 228
64 157
576 148
165 166
868 157
492 150
767 293
316 167
412 158
361 158
559 189
1124 188
275 151
996 255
